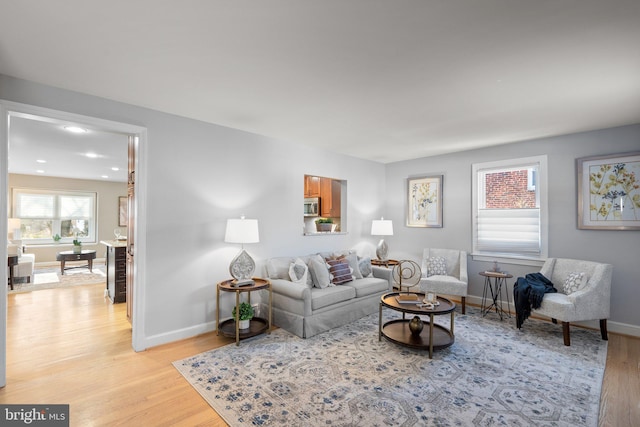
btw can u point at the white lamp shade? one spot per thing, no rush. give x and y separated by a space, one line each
241 230
382 227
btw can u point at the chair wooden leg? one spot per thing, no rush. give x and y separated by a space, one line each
464 305
555 321
565 333
603 329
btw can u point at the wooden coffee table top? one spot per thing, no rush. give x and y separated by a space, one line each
389 300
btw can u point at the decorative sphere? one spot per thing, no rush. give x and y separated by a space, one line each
416 325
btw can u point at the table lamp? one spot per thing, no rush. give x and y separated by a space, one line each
242 231
382 227
13 228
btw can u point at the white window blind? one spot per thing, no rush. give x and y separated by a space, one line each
509 231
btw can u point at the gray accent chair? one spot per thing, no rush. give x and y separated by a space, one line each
455 282
591 302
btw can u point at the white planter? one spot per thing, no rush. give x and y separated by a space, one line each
244 324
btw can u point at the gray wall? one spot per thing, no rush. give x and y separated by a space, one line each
200 174
620 248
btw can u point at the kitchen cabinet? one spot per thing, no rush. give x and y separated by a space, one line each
311 186
330 198
116 271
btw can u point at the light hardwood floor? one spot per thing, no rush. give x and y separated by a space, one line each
72 346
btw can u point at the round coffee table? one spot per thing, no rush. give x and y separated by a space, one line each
432 336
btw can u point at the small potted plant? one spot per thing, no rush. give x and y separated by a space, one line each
57 238
77 246
245 315
324 224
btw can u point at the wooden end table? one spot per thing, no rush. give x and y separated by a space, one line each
85 255
231 327
386 263
494 288
432 336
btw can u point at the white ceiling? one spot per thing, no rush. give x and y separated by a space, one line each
381 80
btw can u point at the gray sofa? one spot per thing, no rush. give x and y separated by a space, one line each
306 305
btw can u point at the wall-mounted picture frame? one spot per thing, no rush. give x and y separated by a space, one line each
122 211
609 192
424 201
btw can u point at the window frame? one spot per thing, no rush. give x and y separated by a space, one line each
542 196
57 218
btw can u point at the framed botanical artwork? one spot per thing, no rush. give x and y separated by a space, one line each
122 211
609 192
424 201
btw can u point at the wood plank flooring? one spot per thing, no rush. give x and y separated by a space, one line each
73 346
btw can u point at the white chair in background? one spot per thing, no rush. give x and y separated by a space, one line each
444 271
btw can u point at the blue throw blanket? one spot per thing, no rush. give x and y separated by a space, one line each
528 292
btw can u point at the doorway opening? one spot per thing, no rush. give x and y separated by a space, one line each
133 149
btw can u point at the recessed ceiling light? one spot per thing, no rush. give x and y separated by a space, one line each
115 168
75 129
92 155
41 161
40 171
105 176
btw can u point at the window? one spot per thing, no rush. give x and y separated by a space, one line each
44 213
510 210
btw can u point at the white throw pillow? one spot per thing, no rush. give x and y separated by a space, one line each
278 268
298 272
319 273
574 282
437 266
353 263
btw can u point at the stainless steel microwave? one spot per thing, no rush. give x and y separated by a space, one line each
311 206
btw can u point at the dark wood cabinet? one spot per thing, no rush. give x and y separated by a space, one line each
116 271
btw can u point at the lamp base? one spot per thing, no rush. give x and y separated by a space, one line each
382 251
242 268
247 282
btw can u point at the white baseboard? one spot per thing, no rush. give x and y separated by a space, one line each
178 335
612 326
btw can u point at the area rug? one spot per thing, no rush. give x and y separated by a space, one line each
493 375
49 278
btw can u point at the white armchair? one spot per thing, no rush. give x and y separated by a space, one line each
26 262
589 300
444 271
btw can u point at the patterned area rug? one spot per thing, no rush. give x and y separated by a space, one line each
493 375
49 278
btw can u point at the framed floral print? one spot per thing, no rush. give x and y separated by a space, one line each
609 192
424 201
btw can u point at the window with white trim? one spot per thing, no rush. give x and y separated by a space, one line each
510 209
45 213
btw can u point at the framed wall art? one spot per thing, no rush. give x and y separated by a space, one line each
609 192
424 201
122 211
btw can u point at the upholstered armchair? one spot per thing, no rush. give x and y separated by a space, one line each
584 289
26 262
444 271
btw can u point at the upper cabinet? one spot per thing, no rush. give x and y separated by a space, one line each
311 186
329 198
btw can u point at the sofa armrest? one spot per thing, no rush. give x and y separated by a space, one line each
383 273
291 289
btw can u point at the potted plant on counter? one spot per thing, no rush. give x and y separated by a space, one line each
245 315
324 224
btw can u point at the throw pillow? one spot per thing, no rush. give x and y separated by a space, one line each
340 271
364 264
319 273
437 266
278 268
298 272
574 282
353 263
